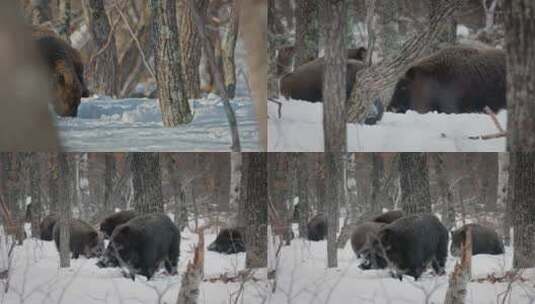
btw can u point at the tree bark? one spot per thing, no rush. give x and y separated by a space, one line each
229 46
148 196
448 211
103 66
190 46
377 81
35 193
253 20
278 173
257 193
415 193
523 204
235 179
109 173
520 49
41 11
172 95
303 182
334 197
503 202
64 209
334 78
65 18
376 176
306 31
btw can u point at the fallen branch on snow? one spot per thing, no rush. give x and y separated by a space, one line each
501 131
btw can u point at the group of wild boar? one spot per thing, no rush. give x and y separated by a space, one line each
455 79
407 244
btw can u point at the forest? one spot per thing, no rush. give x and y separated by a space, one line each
136 75
267 228
400 75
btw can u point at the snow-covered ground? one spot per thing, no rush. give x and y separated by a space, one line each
105 124
300 129
303 278
37 279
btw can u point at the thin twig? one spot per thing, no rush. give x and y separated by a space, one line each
279 104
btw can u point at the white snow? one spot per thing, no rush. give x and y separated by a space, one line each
300 129
105 124
303 278
36 278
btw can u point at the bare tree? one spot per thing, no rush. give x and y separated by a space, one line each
253 20
520 47
148 196
65 18
109 173
303 179
503 202
103 65
334 197
522 197
256 208
172 95
64 209
415 193
306 30
35 192
334 78
228 49
190 44
448 212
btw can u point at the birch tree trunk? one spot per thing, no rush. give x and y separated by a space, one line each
64 209
334 78
306 31
503 202
172 95
415 193
303 181
523 203
146 180
235 179
190 47
376 176
109 172
103 67
228 49
520 48
256 208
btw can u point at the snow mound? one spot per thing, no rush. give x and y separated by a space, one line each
300 128
105 124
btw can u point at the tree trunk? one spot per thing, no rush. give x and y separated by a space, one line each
334 197
35 193
377 81
190 47
65 18
448 211
447 35
376 176
334 79
256 211
273 77
235 179
229 46
253 20
387 28
172 95
415 193
523 203
41 11
303 182
64 209
503 202
147 183
103 66
306 31
53 187
520 47
278 173
109 173
460 277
